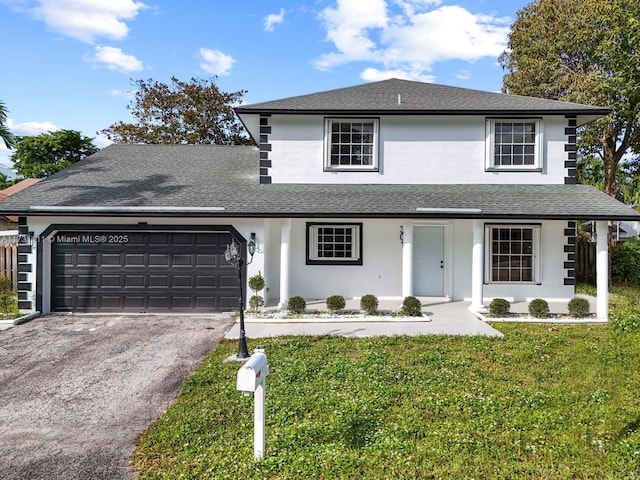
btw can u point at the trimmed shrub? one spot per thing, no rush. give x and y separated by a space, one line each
255 302
499 307
369 303
256 283
578 307
539 308
412 307
296 305
335 303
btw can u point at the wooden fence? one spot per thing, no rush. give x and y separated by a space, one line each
586 262
9 262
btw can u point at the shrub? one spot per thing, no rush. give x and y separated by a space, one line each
296 305
499 307
578 307
539 308
256 283
369 303
625 262
7 295
255 302
412 307
335 303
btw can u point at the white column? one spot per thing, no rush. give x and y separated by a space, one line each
476 266
602 270
285 241
258 422
407 260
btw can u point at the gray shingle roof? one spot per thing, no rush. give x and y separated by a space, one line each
404 96
190 180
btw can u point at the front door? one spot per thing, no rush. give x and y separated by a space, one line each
428 261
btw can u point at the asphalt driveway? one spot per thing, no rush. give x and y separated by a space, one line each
76 390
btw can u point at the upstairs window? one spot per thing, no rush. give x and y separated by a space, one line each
514 144
334 244
351 144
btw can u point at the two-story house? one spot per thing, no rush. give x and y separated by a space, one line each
392 188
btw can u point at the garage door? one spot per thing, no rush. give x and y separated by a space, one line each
142 272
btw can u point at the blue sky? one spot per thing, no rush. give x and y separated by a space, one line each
69 63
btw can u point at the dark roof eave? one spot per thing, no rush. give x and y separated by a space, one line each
327 111
381 215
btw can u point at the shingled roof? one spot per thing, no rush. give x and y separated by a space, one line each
222 181
396 96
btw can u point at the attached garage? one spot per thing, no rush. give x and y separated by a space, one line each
107 270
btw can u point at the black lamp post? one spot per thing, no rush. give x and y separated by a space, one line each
234 256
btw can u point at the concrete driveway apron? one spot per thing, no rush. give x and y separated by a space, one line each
76 390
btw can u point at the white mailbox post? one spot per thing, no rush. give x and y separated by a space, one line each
251 378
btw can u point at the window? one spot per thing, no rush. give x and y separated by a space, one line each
334 244
351 144
514 144
512 253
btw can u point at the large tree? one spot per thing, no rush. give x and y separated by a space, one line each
585 51
5 134
45 154
194 112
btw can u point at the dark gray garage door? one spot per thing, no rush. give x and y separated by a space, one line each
134 271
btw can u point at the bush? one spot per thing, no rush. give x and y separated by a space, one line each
499 307
7 295
296 305
255 302
578 307
335 303
625 262
369 303
539 308
412 307
256 283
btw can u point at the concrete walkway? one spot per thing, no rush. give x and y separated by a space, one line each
441 318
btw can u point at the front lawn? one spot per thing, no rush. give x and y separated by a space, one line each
544 402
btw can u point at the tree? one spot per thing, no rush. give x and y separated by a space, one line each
45 154
584 51
5 134
194 112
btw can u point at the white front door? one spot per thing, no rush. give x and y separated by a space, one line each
428 261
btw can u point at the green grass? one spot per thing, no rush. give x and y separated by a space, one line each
544 402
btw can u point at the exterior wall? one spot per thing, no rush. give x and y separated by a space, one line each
37 225
412 149
380 273
553 259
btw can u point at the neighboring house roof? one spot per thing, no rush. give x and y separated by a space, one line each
222 181
404 96
15 188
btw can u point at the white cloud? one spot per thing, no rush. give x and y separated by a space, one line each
30 128
375 75
273 19
87 20
115 59
463 75
408 37
116 92
215 62
101 141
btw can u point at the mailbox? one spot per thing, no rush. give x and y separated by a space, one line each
253 373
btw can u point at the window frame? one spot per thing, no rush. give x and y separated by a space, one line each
312 244
490 162
328 122
536 253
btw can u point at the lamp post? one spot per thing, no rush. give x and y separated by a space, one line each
234 256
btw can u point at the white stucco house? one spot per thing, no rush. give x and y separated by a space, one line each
392 188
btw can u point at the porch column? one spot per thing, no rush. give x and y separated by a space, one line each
285 240
407 260
602 269
476 266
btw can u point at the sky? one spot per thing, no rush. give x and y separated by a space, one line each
70 64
